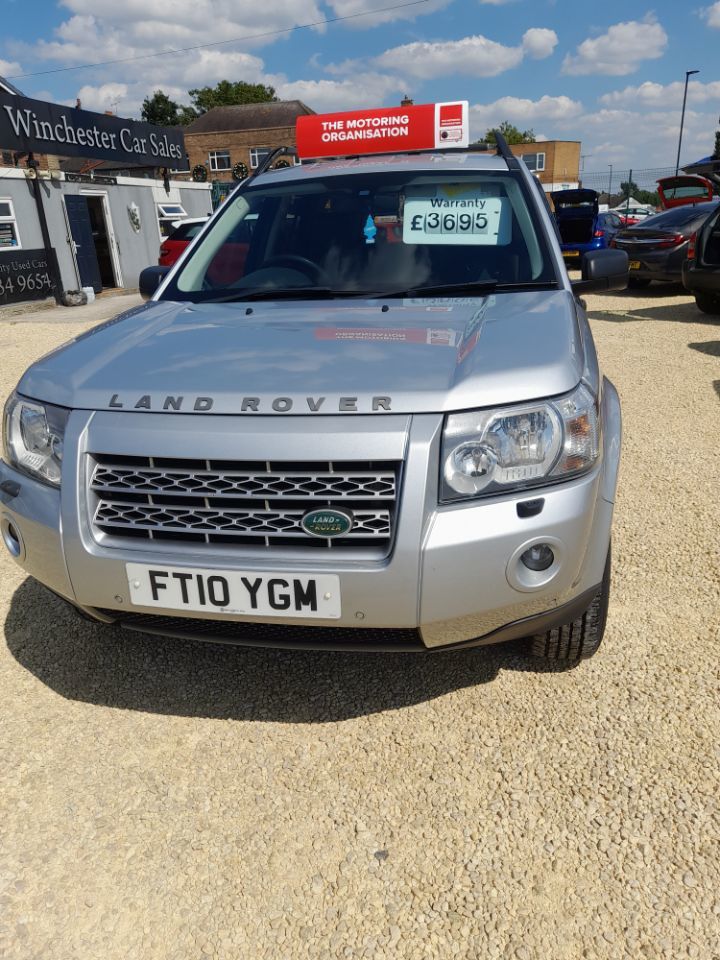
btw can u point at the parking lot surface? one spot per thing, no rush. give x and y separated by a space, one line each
162 798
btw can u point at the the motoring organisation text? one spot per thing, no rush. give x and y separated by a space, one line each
365 128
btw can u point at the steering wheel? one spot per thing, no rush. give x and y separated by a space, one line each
310 269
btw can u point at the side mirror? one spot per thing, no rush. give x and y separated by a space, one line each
603 270
150 280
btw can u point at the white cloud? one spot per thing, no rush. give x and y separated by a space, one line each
9 67
351 8
639 136
663 95
538 42
619 51
712 15
645 138
475 56
100 30
108 96
330 96
521 112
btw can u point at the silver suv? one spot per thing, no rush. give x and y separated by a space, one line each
362 411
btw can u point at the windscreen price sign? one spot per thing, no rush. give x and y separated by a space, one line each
425 126
455 214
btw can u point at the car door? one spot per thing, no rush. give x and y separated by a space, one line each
709 246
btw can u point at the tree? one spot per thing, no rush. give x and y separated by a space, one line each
630 189
160 109
511 133
716 154
228 93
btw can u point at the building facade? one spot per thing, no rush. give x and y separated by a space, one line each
556 163
238 138
103 230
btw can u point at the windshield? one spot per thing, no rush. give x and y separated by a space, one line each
369 235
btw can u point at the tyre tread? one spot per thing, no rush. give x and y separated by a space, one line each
581 638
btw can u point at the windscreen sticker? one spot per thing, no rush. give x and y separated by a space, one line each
454 214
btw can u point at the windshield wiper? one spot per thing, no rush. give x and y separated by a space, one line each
276 293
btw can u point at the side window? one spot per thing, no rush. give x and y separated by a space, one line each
219 160
9 236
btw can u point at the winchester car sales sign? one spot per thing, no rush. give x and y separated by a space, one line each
426 126
36 126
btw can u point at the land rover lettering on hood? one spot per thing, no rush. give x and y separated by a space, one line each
363 411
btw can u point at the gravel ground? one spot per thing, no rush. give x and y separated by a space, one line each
166 799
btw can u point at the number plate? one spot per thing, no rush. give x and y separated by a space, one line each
234 592
634 264
571 253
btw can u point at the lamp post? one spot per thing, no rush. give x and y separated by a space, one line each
688 74
610 183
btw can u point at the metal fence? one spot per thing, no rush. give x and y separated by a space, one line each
612 184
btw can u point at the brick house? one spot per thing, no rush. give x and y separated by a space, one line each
556 163
244 133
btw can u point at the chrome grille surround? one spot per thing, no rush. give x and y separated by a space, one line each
263 483
256 504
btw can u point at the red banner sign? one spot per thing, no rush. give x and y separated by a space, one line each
424 126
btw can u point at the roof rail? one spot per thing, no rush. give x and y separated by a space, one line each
270 159
504 151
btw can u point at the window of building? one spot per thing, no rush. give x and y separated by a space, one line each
257 155
9 236
169 214
219 160
534 161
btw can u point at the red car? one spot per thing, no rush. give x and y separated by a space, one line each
228 264
684 189
175 244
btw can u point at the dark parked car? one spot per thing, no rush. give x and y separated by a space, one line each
582 227
701 270
658 247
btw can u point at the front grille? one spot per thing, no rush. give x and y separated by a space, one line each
242 503
273 634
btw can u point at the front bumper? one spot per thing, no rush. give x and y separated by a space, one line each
450 580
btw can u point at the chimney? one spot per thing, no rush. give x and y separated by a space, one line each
407 101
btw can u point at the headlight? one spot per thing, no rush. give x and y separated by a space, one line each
33 438
493 451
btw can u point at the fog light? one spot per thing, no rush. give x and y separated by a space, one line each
12 539
539 557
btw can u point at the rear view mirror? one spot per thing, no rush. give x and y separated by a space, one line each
150 280
603 270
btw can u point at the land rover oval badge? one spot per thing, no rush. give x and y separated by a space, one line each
327 523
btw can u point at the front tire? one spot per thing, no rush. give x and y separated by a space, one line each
581 638
708 303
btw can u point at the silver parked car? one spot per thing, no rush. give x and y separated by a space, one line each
373 421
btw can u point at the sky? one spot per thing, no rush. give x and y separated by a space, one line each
609 74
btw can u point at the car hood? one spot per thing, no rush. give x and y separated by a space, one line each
319 357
